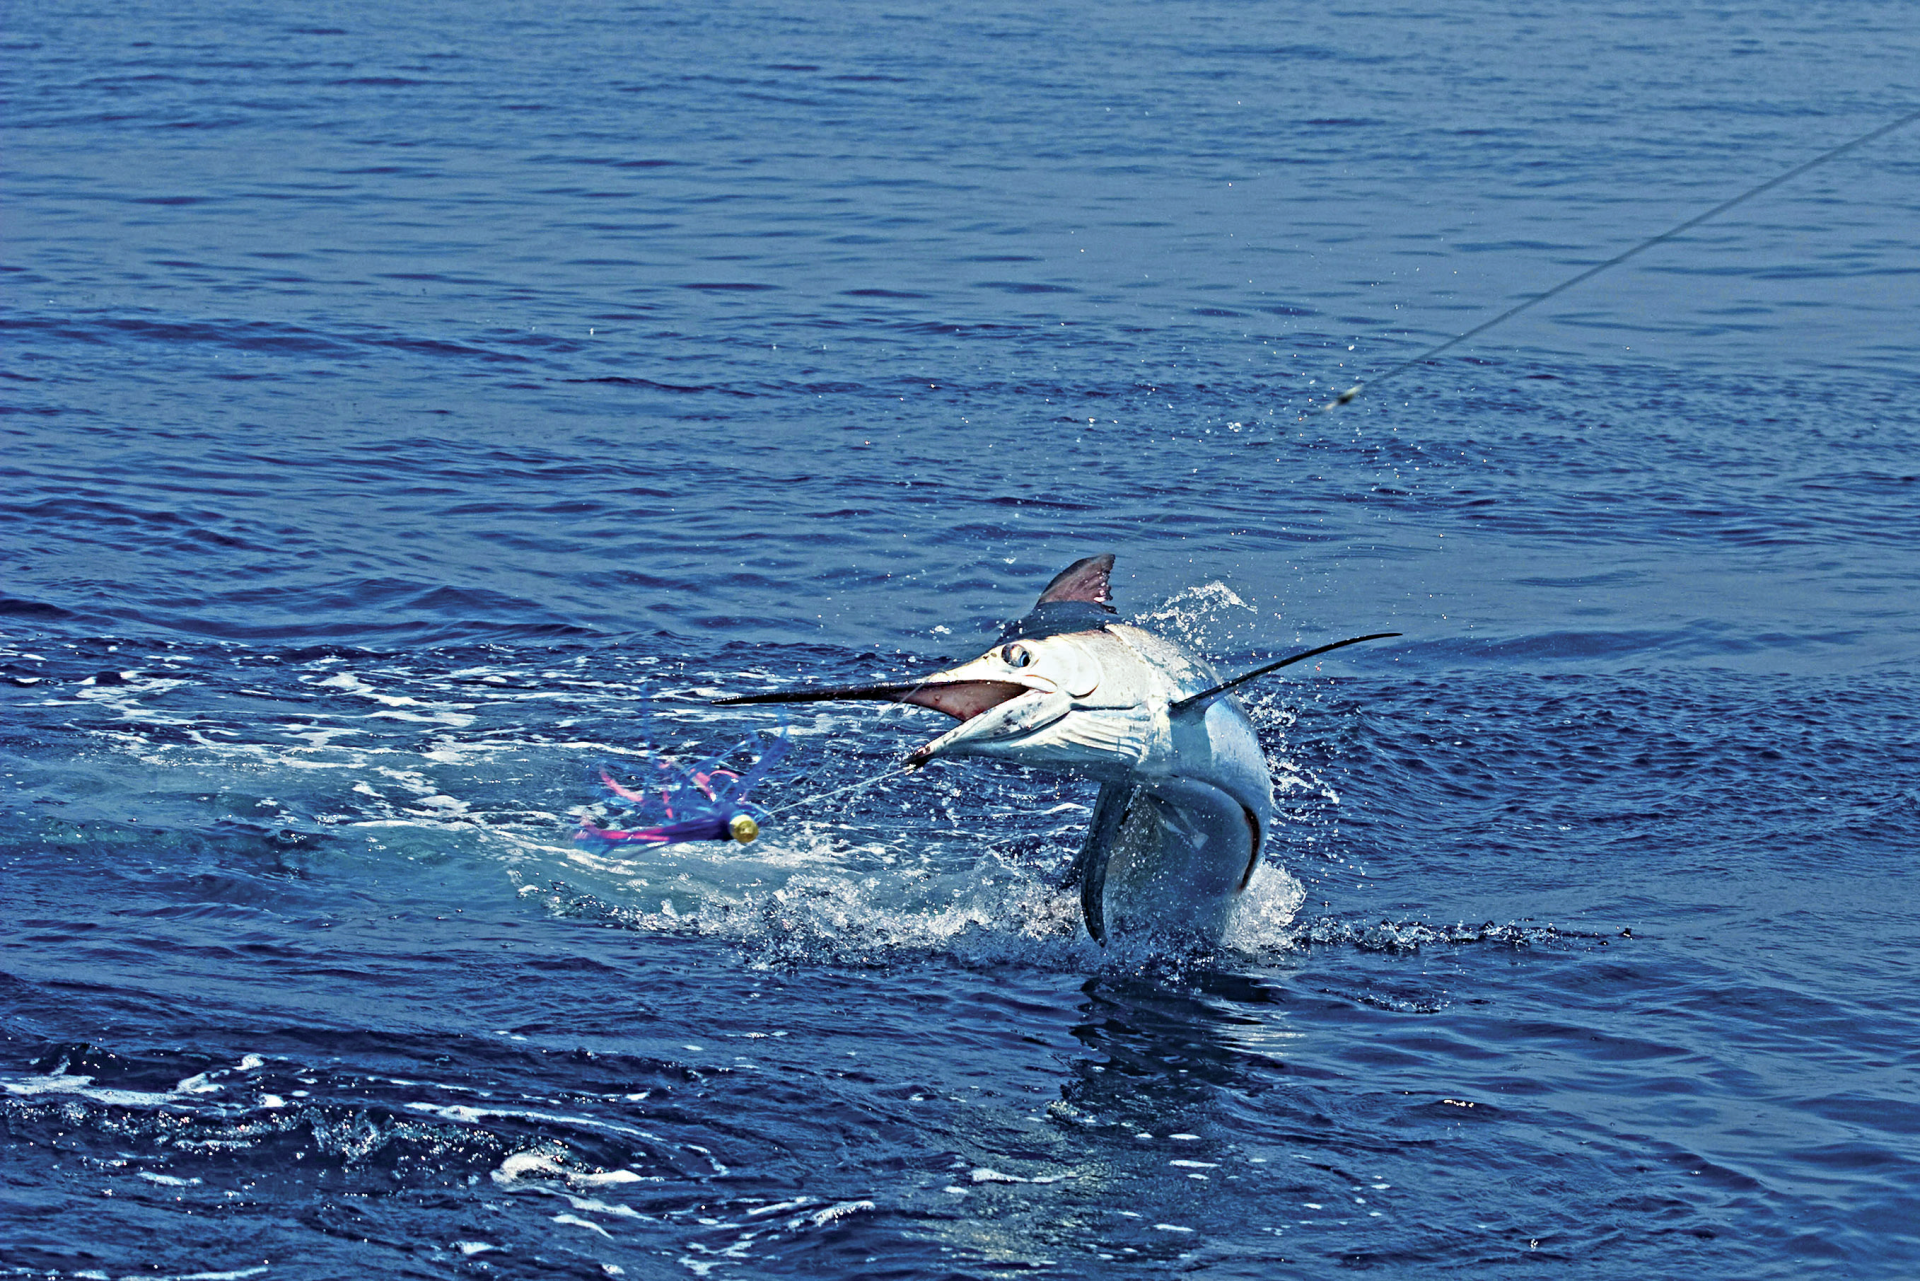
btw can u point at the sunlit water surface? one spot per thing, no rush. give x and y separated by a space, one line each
413 409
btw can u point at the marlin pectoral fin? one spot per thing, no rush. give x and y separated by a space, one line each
1089 870
1183 704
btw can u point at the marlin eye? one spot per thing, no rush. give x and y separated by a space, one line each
1016 656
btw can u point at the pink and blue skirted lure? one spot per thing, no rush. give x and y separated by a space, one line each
707 802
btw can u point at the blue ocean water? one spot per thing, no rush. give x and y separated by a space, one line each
411 407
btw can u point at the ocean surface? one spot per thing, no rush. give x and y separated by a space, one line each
412 408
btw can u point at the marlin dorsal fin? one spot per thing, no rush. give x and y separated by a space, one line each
1087 580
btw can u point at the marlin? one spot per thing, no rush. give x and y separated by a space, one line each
1186 800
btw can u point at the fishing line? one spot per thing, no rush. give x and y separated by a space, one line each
1347 395
851 787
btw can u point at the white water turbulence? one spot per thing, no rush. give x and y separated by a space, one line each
400 761
408 412
927 865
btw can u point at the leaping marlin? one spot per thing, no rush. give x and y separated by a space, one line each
1185 797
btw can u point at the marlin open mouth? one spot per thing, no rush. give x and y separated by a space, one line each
965 698
1014 688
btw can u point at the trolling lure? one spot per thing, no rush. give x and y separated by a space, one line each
707 802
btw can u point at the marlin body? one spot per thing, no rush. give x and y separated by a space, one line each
1185 796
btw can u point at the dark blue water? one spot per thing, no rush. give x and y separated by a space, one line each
407 405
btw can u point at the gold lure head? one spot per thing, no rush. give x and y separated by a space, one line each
742 828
